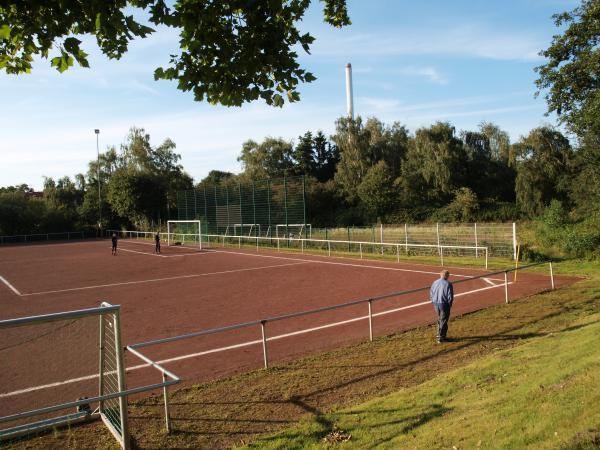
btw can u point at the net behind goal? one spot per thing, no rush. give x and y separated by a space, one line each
62 368
184 232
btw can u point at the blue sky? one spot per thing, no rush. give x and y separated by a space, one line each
414 62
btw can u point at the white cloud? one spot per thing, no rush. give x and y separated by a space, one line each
430 73
466 40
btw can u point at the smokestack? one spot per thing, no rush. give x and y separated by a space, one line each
349 95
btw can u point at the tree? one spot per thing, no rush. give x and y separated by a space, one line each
376 190
464 205
231 52
433 167
585 185
271 158
572 71
304 155
327 157
543 169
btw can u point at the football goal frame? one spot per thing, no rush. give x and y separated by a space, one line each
251 227
195 237
301 227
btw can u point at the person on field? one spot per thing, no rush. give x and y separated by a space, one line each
114 244
442 296
157 241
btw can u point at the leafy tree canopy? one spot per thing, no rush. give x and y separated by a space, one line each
231 52
573 67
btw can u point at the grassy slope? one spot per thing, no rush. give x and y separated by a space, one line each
244 407
543 393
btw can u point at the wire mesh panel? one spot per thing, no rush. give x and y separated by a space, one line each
252 208
50 372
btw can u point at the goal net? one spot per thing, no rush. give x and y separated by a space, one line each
246 229
63 368
182 232
293 230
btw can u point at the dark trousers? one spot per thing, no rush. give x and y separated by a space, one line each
443 312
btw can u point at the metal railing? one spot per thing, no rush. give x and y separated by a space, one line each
365 301
37 237
305 244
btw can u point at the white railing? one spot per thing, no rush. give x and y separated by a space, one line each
19 238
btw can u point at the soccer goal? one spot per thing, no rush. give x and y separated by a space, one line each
293 230
77 358
180 232
246 229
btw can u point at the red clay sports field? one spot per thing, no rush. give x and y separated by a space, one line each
185 290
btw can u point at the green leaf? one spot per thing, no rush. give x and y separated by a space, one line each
4 32
62 62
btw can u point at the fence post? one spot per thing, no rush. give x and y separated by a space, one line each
397 252
166 396
370 320
486 258
264 342
348 239
360 247
551 275
506 286
476 242
406 237
328 248
514 230
442 255
437 227
381 239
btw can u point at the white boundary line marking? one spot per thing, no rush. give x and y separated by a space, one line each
398 269
165 256
153 280
489 281
10 286
243 344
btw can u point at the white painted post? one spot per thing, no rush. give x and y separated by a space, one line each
360 246
406 237
551 276
121 380
442 255
438 236
506 286
476 242
514 228
381 239
264 342
328 248
486 258
370 321
167 413
397 252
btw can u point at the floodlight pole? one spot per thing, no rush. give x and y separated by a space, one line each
97 131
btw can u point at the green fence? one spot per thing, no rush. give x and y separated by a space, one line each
258 208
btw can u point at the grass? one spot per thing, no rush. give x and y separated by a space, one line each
340 387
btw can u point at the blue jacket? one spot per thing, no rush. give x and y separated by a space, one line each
442 292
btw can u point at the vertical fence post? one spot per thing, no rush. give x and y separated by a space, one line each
406 238
381 239
263 323
397 252
506 286
437 227
328 248
514 230
370 320
486 258
348 239
476 242
101 381
166 397
551 275
360 247
442 255
121 378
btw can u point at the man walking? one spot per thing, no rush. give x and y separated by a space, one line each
442 296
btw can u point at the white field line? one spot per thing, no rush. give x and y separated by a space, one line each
154 280
165 256
489 281
345 264
10 286
236 346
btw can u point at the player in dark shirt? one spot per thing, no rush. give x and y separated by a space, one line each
157 240
114 244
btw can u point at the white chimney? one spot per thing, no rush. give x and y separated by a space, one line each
349 95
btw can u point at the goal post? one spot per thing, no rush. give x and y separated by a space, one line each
299 230
246 229
66 346
180 231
